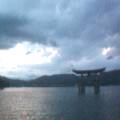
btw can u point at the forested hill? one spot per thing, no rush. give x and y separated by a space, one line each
107 78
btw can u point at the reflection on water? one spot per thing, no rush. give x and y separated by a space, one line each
59 104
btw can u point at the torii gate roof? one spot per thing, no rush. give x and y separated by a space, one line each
100 70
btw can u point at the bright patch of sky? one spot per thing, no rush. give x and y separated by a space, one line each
106 51
39 37
26 54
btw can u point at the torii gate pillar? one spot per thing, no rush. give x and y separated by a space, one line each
87 73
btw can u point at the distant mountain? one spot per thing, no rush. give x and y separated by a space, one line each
3 82
107 78
55 80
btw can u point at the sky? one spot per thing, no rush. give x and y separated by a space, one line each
43 37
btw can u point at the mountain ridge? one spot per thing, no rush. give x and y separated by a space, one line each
107 78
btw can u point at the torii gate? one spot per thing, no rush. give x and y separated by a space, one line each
87 73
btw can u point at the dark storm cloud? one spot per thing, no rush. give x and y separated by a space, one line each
84 20
80 28
9 24
100 19
10 29
97 20
14 29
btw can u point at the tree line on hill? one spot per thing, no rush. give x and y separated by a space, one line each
59 80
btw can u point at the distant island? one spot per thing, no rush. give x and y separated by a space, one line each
61 80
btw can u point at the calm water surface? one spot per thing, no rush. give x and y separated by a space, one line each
59 103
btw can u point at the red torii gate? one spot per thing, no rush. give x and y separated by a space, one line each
87 73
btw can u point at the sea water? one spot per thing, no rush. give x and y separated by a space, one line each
59 103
